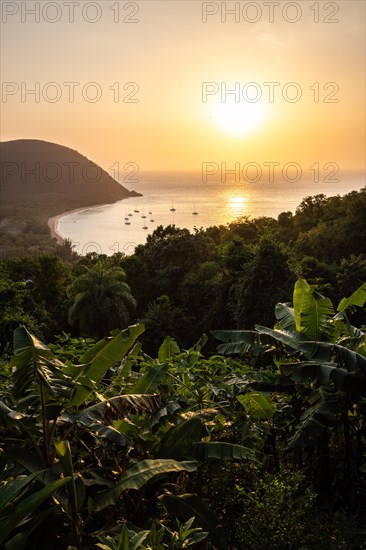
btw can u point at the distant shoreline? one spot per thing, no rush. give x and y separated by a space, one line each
54 221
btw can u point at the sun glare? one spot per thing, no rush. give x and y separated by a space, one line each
236 205
237 201
239 118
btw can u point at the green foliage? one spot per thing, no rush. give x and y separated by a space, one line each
102 300
100 358
39 300
44 391
68 349
13 513
162 319
156 539
187 504
138 475
238 342
185 535
167 349
266 280
323 356
276 514
178 448
259 405
312 312
117 449
358 298
13 298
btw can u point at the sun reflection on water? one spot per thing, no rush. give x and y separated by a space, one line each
237 206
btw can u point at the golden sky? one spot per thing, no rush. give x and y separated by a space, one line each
151 81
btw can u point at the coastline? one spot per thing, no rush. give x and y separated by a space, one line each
54 221
53 224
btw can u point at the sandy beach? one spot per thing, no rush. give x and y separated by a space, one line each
53 223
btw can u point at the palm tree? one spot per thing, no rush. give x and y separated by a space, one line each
102 300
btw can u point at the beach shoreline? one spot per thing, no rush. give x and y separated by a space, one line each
52 225
54 221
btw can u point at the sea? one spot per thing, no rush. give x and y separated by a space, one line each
187 201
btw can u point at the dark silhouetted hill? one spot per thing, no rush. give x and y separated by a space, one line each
40 180
43 174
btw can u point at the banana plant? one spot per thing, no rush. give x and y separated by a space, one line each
43 387
49 403
315 347
20 498
183 537
58 407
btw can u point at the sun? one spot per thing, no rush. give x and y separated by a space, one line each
238 118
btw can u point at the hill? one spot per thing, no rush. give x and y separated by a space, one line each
39 180
34 172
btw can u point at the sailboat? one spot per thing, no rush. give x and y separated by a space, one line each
145 227
195 213
143 214
172 208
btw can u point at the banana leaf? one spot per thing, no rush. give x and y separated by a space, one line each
138 475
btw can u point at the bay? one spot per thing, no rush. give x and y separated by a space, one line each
171 198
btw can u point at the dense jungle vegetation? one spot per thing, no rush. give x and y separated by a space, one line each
208 391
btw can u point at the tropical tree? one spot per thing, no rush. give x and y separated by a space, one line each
205 289
162 318
102 300
171 252
264 281
13 297
310 211
44 281
320 359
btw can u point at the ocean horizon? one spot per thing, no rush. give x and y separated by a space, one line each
184 200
